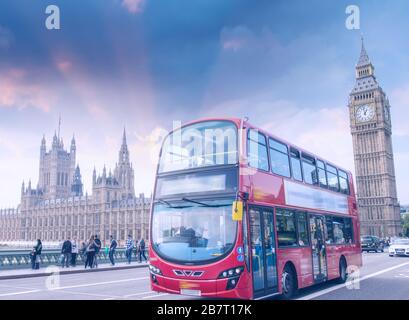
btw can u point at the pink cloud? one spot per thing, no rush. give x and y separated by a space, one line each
133 6
17 91
64 65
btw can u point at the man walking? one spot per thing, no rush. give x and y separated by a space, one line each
74 252
98 245
142 250
66 252
112 249
129 247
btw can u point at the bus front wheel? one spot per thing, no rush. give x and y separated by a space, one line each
342 271
289 283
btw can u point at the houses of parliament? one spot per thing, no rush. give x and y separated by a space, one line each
56 208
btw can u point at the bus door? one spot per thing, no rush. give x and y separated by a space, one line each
319 254
263 251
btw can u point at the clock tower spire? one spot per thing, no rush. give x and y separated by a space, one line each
371 131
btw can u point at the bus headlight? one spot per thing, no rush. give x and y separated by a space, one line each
154 270
233 272
232 282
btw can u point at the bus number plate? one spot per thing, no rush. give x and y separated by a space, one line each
190 292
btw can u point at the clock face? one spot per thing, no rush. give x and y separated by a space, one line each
365 113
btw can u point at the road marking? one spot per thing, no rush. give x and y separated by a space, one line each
156 295
74 286
320 293
106 296
16 287
137 294
99 283
17 293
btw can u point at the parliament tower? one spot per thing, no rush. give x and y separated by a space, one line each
371 129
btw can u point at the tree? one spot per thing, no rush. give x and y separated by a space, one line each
405 222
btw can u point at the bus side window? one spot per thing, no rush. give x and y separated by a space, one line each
329 235
343 182
296 164
286 230
257 150
279 158
348 231
302 229
309 169
322 176
332 174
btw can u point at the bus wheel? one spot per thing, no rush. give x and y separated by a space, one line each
342 271
289 283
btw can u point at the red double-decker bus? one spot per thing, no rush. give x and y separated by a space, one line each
240 213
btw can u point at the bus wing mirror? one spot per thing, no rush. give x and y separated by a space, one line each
237 210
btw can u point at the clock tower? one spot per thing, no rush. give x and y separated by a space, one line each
371 131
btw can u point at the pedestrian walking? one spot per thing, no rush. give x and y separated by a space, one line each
98 246
74 252
90 252
66 252
141 249
129 248
35 255
112 249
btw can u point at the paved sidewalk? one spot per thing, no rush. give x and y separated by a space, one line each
48 270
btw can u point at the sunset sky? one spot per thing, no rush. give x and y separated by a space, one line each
287 65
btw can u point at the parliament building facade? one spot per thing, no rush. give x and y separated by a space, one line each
57 208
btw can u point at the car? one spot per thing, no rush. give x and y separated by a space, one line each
399 247
371 243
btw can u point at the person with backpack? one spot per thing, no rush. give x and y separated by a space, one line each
141 249
90 252
129 248
98 246
66 253
112 249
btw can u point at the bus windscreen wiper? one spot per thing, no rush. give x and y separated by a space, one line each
170 205
205 204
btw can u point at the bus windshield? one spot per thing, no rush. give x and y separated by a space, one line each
193 232
199 145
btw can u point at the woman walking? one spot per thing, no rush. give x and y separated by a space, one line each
90 250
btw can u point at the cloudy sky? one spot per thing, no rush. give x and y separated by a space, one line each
287 65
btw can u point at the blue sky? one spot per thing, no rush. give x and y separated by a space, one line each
287 65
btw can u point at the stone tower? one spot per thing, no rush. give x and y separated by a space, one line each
124 172
371 131
76 187
57 168
119 185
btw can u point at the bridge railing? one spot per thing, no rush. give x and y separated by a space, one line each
14 259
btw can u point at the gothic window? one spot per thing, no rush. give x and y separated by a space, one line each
97 219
